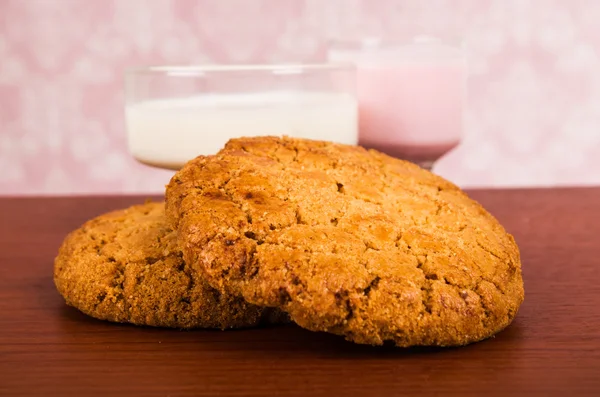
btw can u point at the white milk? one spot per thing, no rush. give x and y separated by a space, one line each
167 133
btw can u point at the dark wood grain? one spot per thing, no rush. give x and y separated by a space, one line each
552 348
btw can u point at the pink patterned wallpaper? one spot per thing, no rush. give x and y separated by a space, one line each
534 89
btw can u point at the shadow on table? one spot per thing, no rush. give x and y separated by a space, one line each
267 341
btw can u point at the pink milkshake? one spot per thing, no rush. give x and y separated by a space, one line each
411 97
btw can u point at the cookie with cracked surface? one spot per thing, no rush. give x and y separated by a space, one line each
347 241
125 266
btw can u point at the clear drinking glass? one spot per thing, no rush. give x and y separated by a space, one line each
176 113
411 94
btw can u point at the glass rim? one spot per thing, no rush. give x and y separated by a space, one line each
378 42
279 68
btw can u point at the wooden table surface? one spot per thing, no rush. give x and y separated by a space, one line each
552 348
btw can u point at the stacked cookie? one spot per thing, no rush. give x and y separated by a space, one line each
338 238
125 266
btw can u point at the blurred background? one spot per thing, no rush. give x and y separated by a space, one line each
533 114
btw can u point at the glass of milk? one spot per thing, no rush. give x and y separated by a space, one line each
411 94
174 114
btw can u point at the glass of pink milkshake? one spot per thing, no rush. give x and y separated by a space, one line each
411 94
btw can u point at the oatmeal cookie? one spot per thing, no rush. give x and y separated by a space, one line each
346 241
125 266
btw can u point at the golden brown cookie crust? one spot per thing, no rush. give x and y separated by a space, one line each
125 266
347 241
